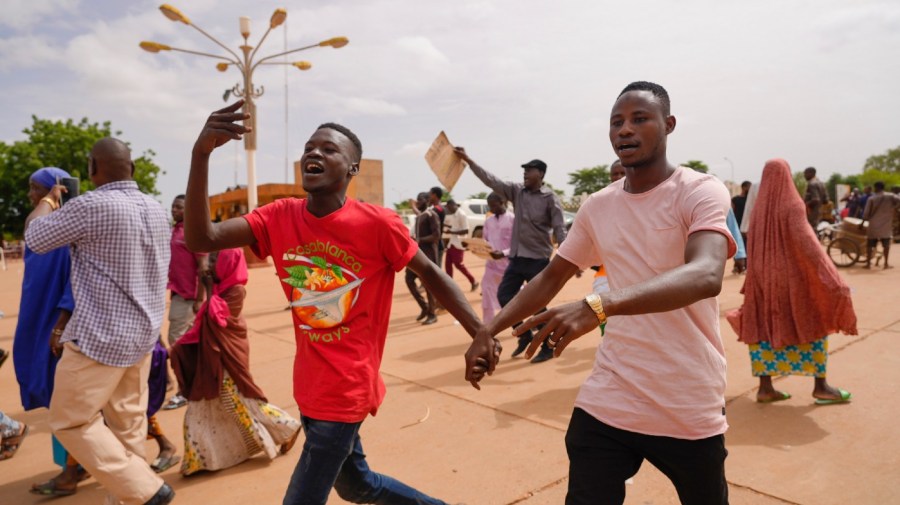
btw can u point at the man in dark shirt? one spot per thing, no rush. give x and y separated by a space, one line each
538 212
738 203
428 233
816 196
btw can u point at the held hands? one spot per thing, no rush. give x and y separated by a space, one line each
562 325
482 357
221 127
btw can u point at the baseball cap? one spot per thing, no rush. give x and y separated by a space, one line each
538 164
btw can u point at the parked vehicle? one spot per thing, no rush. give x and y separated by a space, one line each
475 211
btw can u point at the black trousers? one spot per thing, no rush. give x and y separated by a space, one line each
519 271
602 458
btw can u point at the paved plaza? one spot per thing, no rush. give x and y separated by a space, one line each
504 444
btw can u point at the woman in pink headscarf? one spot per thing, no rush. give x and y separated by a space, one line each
793 295
228 418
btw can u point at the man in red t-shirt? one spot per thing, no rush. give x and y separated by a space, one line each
336 259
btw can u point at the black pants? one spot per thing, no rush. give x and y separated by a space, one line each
519 271
602 458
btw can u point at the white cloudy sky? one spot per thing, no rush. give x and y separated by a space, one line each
811 81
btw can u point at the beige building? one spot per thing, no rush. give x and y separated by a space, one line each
368 187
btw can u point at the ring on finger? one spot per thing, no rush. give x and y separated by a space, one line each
552 343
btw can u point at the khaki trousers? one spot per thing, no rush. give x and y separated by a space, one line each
113 452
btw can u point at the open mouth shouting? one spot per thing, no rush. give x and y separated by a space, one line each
313 167
626 148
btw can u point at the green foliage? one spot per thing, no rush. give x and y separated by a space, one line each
800 183
479 196
560 193
887 162
871 176
697 165
589 180
63 144
404 205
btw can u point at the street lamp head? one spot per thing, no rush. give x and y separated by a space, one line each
174 14
245 26
222 67
335 42
154 47
278 17
302 65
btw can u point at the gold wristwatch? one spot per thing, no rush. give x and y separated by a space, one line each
596 304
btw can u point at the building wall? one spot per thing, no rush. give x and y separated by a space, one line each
367 186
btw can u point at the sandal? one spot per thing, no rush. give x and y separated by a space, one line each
11 444
51 488
176 402
162 464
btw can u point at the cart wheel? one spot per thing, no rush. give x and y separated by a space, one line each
843 252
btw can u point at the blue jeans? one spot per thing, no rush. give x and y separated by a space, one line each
333 457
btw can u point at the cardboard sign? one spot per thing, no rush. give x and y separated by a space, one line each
479 247
445 164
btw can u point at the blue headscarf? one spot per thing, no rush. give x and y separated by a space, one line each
46 176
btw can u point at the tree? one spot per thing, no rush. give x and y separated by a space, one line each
887 162
63 144
800 183
696 165
589 180
479 196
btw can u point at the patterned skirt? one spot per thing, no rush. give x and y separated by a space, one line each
223 432
804 359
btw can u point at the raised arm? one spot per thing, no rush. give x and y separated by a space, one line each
699 278
504 188
200 234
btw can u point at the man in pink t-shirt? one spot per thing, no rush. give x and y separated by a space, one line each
656 391
336 259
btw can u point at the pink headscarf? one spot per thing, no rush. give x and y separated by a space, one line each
231 270
793 293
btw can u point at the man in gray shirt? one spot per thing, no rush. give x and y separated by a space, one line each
538 212
120 261
879 212
816 196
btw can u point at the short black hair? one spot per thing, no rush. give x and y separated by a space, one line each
178 197
437 191
422 195
343 130
657 90
811 170
451 202
746 183
879 186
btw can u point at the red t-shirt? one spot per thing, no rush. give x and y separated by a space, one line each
338 273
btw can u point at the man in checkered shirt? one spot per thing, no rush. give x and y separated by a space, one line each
119 239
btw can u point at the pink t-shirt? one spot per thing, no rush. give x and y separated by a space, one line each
183 269
338 273
657 374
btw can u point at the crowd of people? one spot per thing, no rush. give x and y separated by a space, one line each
88 346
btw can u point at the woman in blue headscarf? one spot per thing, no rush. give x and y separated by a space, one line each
44 311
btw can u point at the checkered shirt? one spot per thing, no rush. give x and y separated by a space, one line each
119 239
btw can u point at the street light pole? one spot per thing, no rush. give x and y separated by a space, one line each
246 65
732 169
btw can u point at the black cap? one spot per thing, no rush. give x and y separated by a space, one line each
538 164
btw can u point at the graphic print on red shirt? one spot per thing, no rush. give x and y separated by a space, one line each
337 272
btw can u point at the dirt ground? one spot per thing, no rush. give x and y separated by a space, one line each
504 444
